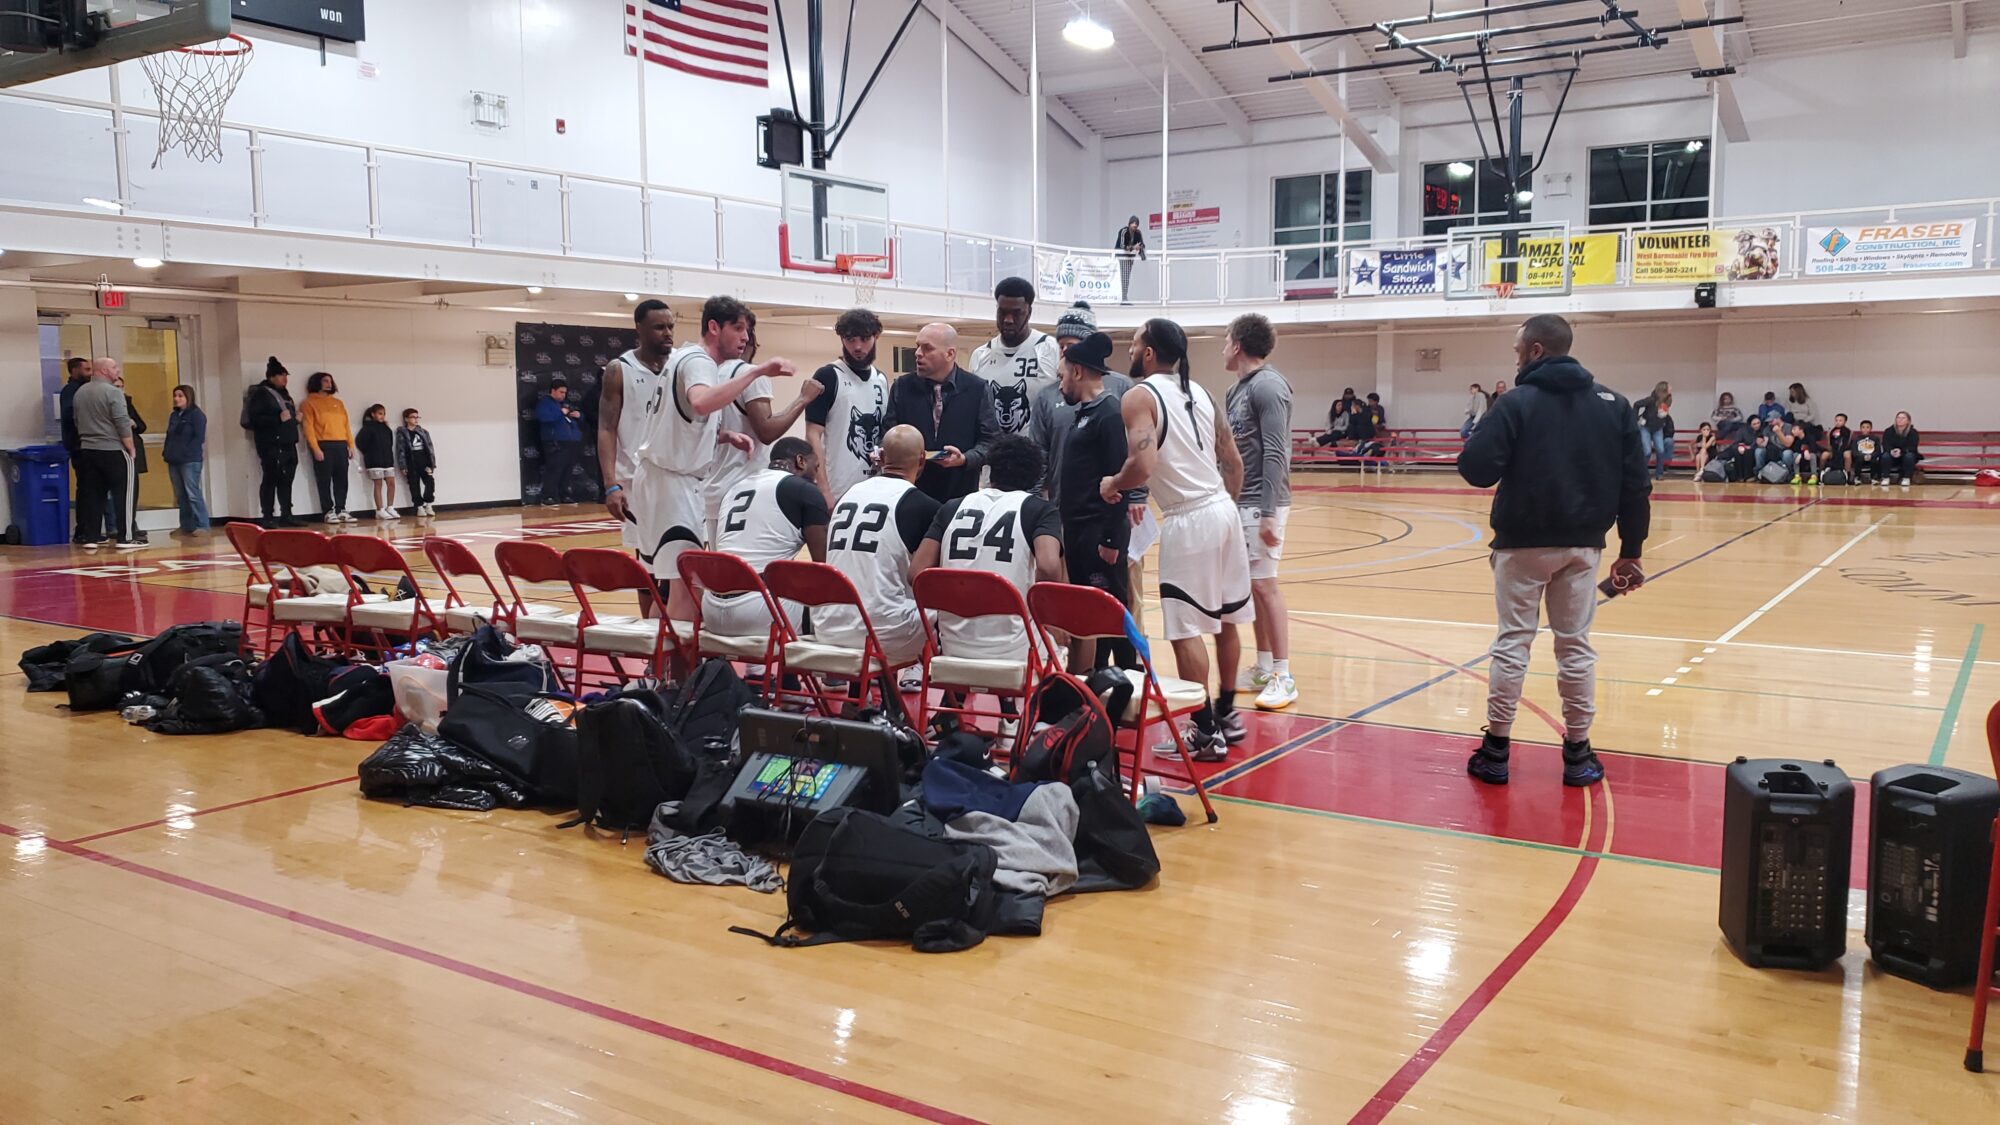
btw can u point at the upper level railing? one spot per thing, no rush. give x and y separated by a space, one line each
83 159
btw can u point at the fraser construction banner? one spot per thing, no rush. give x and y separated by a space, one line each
1593 260
1891 247
1062 277
1397 273
1689 256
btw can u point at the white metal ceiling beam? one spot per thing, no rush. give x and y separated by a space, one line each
1117 77
1010 72
1958 34
1323 92
1186 64
1707 43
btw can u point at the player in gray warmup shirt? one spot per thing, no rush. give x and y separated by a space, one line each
1260 417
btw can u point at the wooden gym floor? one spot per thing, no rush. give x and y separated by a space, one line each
222 930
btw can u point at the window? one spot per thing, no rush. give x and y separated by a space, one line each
1662 182
1320 208
1468 193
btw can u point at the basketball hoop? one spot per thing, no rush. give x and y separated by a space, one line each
1497 294
192 86
862 265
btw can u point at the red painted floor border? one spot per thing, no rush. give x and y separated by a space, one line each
848 1087
214 809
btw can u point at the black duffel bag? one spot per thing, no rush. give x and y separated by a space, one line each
286 686
153 667
628 761
856 876
211 695
520 733
47 665
96 680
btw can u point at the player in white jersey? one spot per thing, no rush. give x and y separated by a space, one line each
1005 529
634 376
1021 361
1177 442
678 439
876 530
768 516
750 414
844 424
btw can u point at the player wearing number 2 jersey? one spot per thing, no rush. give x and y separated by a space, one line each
876 530
768 516
1020 362
1005 529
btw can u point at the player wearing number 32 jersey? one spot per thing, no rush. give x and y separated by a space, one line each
876 530
1005 529
1020 362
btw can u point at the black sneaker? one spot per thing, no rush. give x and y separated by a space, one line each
1489 762
1208 746
1580 764
1233 730
290 521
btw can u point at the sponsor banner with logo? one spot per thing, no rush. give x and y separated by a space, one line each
1891 247
1593 260
1066 277
1399 273
1188 227
1689 256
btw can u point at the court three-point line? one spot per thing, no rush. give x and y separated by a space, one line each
1801 581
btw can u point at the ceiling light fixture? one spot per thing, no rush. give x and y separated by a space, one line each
1087 33
1458 170
534 289
631 296
104 203
1524 196
148 263
1697 146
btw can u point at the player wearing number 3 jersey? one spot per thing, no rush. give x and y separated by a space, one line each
876 530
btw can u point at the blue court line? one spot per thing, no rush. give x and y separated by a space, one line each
1949 723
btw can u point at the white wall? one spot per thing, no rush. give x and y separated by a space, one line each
20 381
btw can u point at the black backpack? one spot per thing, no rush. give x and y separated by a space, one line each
484 659
1079 731
46 666
286 686
628 762
96 680
211 695
157 661
704 710
856 876
520 734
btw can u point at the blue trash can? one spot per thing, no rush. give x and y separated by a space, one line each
39 476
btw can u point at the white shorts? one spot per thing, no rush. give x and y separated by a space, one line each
667 508
380 474
1263 560
1204 571
744 615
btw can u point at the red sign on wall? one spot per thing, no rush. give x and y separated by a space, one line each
111 300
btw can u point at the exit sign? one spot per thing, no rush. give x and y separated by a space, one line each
111 299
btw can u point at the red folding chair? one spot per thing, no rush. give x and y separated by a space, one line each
814 661
287 555
616 637
724 576
1984 991
972 595
248 538
554 627
1089 613
452 561
394 622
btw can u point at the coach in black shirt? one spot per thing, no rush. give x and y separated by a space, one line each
952 408
1095 534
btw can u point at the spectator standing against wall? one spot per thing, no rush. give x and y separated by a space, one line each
376 443
1131 247
185 449
105 480
326 430
416 455
562 442
1556 499
273 423
79 374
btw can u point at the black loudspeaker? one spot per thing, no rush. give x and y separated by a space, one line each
781 139
1787 835
1929 844
1704 295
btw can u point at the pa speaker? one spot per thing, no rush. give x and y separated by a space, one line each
1787 835
1704 295
1929 843
781 139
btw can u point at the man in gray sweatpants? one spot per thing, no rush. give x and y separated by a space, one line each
1565 452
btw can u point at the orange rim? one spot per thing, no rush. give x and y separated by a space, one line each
242 47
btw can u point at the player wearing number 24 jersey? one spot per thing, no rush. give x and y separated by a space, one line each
1005 529
876 530
1021 361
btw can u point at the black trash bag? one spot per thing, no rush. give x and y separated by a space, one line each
288 684
45 665
629 761
522 734
153 668
485 660
210 695
1114 852
425 769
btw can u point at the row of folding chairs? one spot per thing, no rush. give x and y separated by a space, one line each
529 599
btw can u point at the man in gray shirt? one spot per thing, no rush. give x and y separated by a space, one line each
1260 416
106 490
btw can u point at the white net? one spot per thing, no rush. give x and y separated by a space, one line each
192 86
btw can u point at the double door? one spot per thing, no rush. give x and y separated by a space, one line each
154 355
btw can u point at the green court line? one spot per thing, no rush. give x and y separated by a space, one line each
1949 723
1461 834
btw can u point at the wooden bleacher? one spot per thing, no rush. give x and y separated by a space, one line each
1945 451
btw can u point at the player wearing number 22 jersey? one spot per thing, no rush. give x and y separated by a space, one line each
876 529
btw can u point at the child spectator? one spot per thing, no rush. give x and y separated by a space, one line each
1795 445
1899 450
1704 447
1727 419
376 443
416 455
1867 456
1839 451
1771 410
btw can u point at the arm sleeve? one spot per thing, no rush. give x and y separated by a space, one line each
1491 445
1272 408
1635 488
914 514
942 520
121 418
821 408
138 423
989 428
801 502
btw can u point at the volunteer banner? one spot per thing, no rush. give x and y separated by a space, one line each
1062 277
1689 256
1891 247
1397 273
1593 260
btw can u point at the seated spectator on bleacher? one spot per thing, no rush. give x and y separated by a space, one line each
1728 420
1654 432
1337 418
1839 450
1758 438
1800 408
1704 447
1362 429
1796 447
1499 388
1899 450
1867 454
1475 407
1771 410
1377 414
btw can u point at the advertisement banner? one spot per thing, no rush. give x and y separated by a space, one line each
1398 273
1190 226
1891 247
1065 277
1593 260
1690 256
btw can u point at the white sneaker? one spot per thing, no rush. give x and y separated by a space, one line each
130 545
1009 730
427 509
1905 482
389 514
345 518
1253 678
1279 694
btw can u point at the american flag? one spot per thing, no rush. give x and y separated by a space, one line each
727 40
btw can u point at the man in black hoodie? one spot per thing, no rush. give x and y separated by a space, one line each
273 422
1565 452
